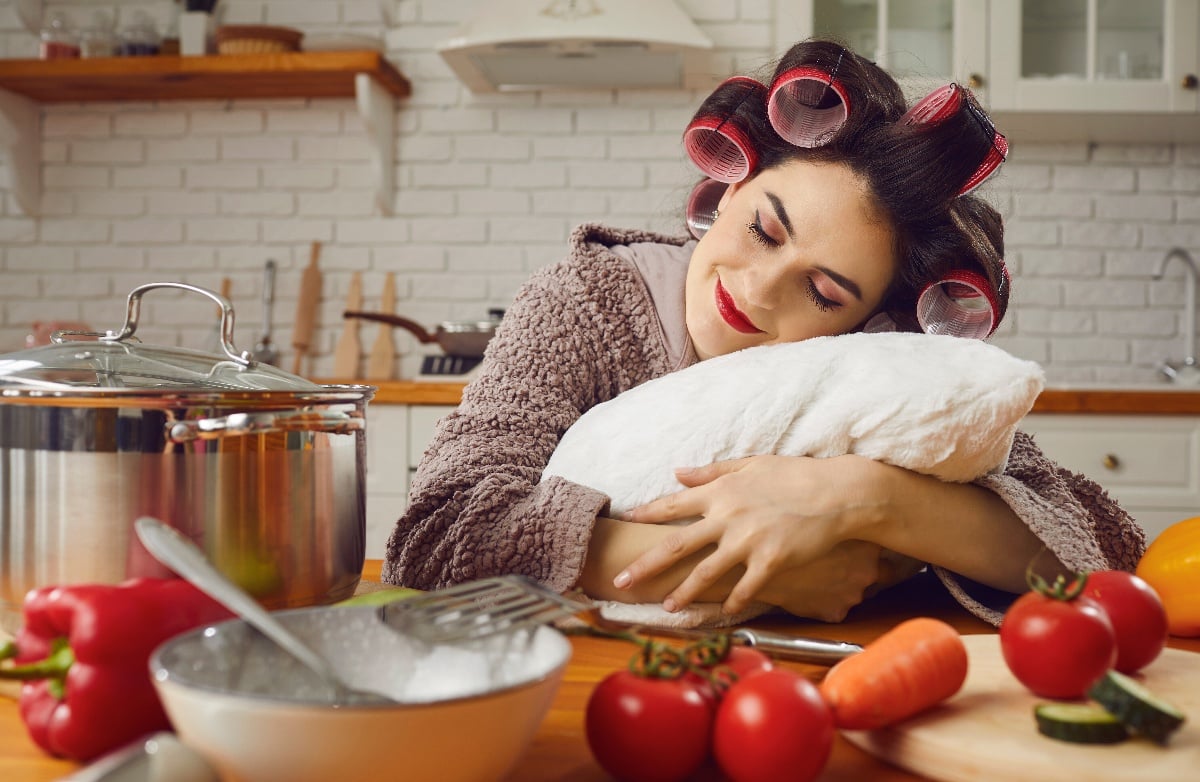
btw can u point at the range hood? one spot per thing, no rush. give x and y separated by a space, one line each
521 45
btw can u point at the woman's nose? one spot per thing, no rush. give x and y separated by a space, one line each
767 283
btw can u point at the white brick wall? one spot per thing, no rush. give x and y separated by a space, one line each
488 189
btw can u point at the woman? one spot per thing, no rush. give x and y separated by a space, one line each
831 227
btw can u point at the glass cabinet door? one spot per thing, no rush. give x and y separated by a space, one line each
912 39
1093 55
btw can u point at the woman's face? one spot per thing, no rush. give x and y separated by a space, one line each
797 252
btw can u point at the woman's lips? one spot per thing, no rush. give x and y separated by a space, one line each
731 314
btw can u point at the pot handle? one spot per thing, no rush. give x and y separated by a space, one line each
237 424
412 326
133 309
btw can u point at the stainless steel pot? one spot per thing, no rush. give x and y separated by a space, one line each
263 469
466 338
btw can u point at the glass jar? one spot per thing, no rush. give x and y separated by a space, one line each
140 38
59 41
99 39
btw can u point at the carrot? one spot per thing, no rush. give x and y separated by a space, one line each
915 665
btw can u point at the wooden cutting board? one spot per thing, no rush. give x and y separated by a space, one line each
987 731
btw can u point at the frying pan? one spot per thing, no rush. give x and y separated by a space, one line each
465 338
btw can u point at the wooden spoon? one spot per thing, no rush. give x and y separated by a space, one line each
345 355
383 352
306 308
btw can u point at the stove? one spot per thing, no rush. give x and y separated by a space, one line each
448 369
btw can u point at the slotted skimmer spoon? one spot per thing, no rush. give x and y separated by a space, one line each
185 558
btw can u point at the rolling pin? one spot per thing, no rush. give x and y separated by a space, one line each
383 352
306 308
345 355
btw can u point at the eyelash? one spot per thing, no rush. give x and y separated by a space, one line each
759 235
823 303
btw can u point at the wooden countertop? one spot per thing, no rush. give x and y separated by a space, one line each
1142 400
560 752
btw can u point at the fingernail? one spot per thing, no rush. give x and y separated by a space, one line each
623 516
684 470
670 606
622 580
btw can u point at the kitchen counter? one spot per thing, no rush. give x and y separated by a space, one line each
1149 399
560 751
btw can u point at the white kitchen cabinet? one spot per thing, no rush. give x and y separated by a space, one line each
397 436
1047 70
1148 463
923 43
1095 55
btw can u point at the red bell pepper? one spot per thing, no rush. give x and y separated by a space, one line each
83 652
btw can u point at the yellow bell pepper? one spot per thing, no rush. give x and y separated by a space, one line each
1171 565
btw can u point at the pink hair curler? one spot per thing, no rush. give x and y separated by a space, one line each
807 105
720 146
961 304
702 206
945 102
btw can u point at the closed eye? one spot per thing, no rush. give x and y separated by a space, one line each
824 303
759 234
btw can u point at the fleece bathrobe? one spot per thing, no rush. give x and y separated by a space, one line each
580 332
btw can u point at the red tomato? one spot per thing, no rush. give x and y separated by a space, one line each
1136 613
649 730
773 726
744 661
1057 647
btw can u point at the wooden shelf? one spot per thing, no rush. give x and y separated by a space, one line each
366 76
291 75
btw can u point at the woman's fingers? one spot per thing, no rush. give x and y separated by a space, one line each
680 506
703 576
678 544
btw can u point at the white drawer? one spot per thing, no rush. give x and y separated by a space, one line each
1141 460
387 447
421 422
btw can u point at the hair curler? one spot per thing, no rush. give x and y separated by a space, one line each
717 139
946 102
807 104
960 304
702 206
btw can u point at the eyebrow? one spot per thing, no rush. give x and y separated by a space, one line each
845 282
781 213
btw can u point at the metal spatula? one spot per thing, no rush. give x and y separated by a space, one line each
478 609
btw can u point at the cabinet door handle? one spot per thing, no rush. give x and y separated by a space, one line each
1110 461
1190 82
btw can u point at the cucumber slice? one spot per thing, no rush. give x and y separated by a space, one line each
1079 723
1137 707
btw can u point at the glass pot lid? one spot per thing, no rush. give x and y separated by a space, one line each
111 361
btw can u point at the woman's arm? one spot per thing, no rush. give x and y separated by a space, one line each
771 515
576 335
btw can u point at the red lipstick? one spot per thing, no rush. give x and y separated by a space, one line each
731 314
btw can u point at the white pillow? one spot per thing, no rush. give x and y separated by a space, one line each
940 405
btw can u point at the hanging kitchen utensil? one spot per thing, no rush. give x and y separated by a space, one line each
263 350
306 308
456 337
214 341
383 351
186 559
345 355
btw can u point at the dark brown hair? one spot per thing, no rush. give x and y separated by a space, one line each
915 170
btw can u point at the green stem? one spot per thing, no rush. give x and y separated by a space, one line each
8 651
53 667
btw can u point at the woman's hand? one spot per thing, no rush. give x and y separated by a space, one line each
772 516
